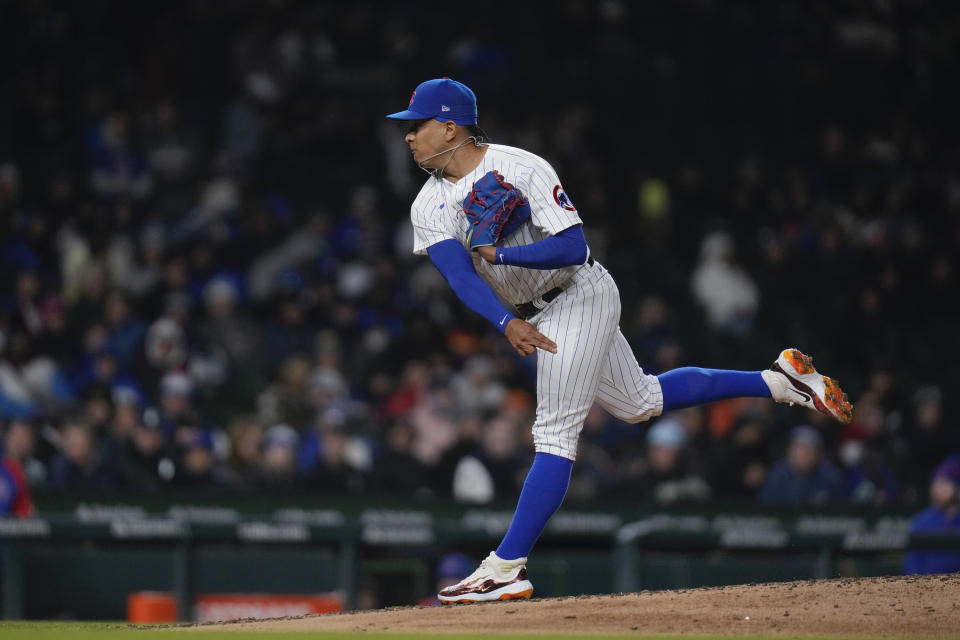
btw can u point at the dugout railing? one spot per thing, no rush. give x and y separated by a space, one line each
81 563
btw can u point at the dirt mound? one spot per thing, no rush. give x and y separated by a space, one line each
916 606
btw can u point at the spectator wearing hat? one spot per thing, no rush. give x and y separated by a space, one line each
805 476
176 409
943 515
199 467
331 460
668 473
127 409
277 467
145 461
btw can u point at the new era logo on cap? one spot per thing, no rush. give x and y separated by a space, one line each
441 98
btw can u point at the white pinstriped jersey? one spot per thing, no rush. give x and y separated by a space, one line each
593 362
437 215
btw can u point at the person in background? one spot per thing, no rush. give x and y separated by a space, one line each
929 436
943 515
450 568
246 441
728 294
199 467
397 471
145 462
670 474
277 467
79 467
19 444
805 476
14 495
740 460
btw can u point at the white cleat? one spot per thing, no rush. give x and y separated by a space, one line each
792 379
495 579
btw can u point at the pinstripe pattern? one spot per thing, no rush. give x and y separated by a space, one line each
536 179
625 390
593 363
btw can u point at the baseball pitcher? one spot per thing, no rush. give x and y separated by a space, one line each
496 221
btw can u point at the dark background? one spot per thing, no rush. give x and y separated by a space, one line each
149 149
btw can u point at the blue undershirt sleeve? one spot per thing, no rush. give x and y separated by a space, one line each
567 248
456 266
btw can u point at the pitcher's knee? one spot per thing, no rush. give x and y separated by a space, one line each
634 410
555 444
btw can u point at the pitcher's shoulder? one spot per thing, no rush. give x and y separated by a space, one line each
428 193
521 161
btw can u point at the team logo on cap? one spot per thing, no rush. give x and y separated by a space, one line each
412 96
562 199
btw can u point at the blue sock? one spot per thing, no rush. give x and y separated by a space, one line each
690 386
543 491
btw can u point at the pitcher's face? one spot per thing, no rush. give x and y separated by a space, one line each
426 139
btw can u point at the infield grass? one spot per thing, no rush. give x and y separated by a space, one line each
29 630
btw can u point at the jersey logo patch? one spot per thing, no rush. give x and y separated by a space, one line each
562 199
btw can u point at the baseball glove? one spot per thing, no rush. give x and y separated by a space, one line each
495 209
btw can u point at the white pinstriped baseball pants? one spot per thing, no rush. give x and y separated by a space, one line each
593 363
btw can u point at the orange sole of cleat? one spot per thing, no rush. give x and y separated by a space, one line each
801 363
837 400
523 595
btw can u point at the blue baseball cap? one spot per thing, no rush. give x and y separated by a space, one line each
949 469
443 99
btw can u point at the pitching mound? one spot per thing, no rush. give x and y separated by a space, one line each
927 606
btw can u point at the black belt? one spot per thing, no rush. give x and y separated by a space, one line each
527 310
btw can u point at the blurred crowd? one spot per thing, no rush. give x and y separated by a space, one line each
206 279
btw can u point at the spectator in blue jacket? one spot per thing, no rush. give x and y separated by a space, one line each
941 516
805 476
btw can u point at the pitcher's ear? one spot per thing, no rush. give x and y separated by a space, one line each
450 133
